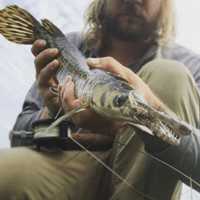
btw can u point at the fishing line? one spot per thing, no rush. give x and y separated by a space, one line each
79 109
167 165
110 169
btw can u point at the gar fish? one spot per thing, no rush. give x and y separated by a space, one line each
106 94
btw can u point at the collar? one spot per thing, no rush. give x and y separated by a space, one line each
154 51
151 53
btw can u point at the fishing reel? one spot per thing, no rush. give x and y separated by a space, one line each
56 137
61 137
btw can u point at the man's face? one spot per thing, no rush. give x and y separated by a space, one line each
132 19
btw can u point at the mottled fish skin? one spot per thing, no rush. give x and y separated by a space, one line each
109 96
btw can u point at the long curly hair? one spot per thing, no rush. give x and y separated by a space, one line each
94 32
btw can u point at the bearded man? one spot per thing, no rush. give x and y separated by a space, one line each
129 38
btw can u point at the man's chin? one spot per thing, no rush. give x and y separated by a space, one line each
128 31
133 32
133 29
128 35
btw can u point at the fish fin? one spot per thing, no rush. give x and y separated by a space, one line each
51 28
142 128
17 25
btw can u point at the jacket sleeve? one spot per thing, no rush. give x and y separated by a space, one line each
31 111
185 158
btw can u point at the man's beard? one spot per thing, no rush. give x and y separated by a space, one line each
131 28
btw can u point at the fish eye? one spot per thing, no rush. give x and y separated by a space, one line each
119 100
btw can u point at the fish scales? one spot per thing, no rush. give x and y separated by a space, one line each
109 96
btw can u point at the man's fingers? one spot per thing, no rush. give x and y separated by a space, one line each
38 46
44 58
68 96
93 139
111 65
107 63
47 73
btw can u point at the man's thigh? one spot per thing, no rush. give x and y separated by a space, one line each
175 87
30 174
172 82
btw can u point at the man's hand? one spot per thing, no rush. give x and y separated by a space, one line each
87 119
109 64
88 138
46 66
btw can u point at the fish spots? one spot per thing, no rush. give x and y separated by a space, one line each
119 100
103 99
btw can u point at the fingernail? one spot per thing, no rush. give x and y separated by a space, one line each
93 61
42 42
67 79
77 103
55 62
54 51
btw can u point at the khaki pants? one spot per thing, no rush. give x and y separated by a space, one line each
26 174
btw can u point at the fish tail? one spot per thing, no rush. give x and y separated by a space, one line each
17 25
51 28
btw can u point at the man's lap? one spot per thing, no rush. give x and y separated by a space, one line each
173 84
29 174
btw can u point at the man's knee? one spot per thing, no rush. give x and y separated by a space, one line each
172 82
166 76
17 167
29 174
